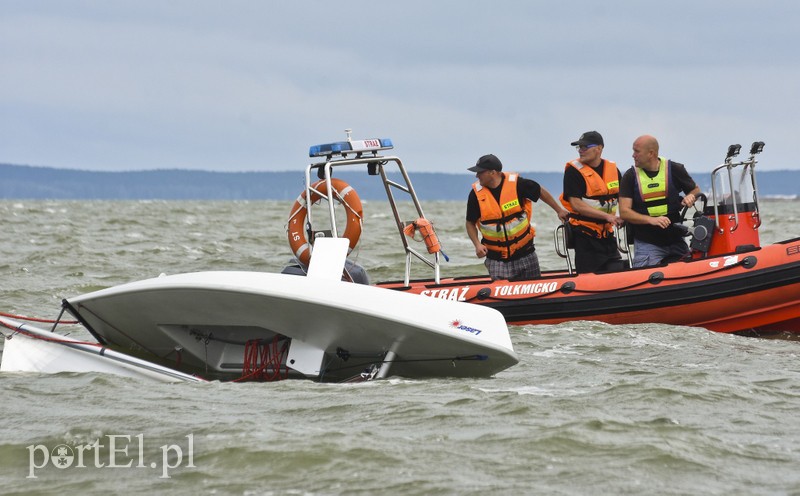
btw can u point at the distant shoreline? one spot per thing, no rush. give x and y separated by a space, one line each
29 182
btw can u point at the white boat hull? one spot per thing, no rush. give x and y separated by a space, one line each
202 321
29 349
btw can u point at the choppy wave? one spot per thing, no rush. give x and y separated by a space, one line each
590 409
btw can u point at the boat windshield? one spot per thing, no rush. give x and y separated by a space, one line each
734 189
733 185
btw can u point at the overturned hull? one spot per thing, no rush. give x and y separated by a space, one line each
238 325
210 322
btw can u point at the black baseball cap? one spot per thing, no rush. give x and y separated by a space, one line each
487 162
589 138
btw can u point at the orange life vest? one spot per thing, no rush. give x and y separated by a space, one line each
601 194
505 226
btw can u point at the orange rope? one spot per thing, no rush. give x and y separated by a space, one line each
264 361
51 340
34 319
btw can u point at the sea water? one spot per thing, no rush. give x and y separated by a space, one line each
590 409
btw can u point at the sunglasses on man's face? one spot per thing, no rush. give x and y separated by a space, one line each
583 148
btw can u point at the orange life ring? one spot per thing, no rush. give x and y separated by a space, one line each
296 229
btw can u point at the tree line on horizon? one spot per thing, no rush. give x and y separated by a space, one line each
27 182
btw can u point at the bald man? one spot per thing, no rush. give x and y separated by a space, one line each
650 201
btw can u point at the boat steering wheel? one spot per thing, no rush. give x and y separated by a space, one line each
697 212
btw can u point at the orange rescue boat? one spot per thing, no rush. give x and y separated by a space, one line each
730 284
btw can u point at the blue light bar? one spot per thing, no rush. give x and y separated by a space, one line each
354 146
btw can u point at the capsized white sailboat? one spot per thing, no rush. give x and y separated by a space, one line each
238 325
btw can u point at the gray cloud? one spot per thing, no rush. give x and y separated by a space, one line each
249 85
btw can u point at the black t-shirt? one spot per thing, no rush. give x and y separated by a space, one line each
575 184
678 176
526 188
680 181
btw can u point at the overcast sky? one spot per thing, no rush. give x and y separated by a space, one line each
240 85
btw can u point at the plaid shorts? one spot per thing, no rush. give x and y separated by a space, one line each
526 267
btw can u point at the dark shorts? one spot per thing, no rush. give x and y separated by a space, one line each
596 254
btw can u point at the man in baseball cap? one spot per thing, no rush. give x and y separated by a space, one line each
589 138
486 163
499 224
591 184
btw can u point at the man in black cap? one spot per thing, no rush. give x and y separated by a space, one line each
591 186
500 207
